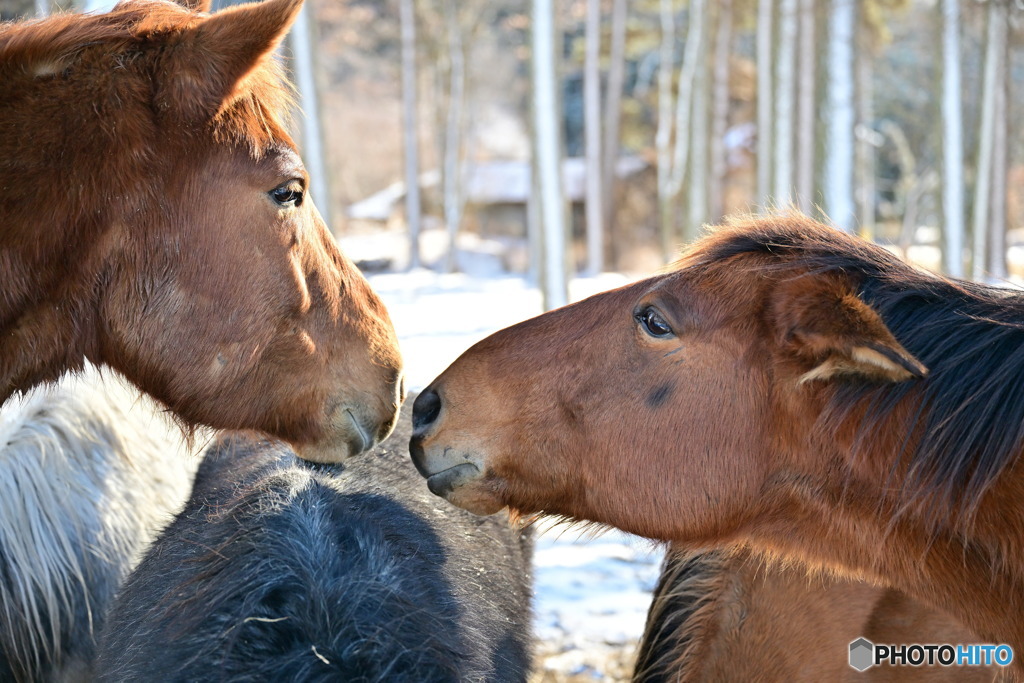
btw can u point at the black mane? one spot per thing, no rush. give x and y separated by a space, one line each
685 609
969 424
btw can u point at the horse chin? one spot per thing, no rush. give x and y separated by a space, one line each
465 489
326 454
349 437
458 476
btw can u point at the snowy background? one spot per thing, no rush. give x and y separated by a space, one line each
592 592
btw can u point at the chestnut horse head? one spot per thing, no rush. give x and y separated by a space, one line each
659 407
786 386
156 220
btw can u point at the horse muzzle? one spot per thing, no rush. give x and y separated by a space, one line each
459 478
353 430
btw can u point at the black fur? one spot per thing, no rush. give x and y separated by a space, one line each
682 609
970 336
657 398
278 570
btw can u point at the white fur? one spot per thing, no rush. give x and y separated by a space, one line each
90 471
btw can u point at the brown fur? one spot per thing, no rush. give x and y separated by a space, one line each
760 422
138 153
727 616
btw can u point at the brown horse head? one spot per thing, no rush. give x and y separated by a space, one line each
787 387
156 219
640 392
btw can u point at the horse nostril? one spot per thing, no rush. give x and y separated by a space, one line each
425 410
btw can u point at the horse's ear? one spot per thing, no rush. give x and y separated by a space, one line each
220 51
821 321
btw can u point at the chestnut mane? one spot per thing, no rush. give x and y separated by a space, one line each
968 422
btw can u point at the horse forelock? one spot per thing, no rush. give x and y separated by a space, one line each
260 113
964 422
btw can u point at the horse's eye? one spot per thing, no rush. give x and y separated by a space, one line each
653 323
287 195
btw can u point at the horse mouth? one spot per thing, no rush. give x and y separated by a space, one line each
362 441
457 479
464 486
351 437
443 483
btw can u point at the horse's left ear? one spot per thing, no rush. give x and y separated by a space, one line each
218 52
821 321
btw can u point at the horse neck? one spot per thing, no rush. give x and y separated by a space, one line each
733 629
48 314
683 618
974 576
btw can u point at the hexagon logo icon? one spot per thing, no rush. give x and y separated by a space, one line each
862 654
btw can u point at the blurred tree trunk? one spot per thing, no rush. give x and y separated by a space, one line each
720 112
806 122
304 68
592 132
785 101
865 140
838 175
1000 151
663 135
453 195
547 148
613 109
691 122
994 51
765 102
698 186
913 182
952 142
410 129
535 226
672 165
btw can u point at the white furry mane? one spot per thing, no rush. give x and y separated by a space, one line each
90 471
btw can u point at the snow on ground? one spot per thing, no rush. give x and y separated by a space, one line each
592 592
591 600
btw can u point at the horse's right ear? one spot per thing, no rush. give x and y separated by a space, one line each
216 54
831 332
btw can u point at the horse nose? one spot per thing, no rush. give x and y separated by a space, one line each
425 410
